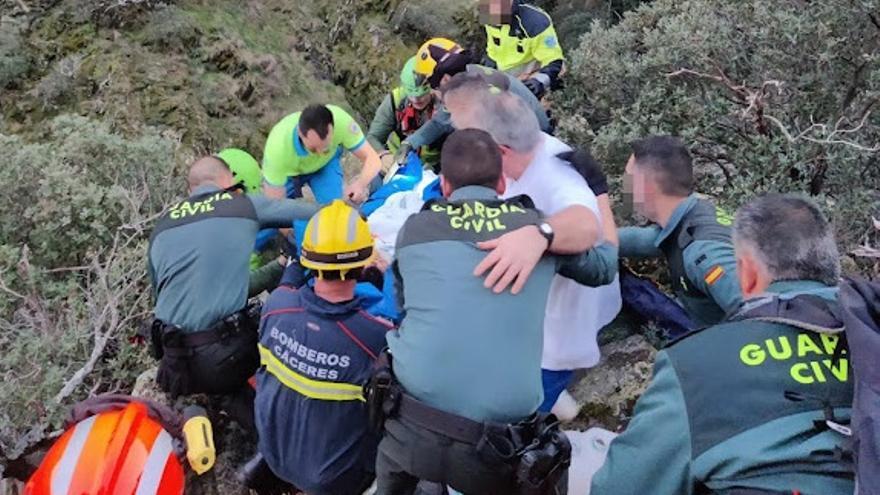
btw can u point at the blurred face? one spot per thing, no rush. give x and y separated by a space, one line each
313 142
421 102
638 189
495 11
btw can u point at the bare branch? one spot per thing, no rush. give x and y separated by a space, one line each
827 137
866 252
108 313
9 291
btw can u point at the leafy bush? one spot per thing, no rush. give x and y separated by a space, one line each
14 63
77 186
770 96
73 282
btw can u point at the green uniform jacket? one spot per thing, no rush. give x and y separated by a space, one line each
384 132
199 252
697 246
716 415
465 349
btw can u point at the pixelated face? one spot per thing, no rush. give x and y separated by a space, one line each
313 142
495 12
637 188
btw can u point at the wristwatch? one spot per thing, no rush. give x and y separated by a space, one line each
546 230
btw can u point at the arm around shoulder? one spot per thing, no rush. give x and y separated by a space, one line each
576 229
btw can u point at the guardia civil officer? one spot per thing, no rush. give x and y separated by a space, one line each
691 233
205 331
759 403
468 359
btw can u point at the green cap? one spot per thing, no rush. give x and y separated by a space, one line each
408 80
244 167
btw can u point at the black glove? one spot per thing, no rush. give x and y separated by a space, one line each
589 168
535 86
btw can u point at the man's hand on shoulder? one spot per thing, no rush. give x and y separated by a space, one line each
512 258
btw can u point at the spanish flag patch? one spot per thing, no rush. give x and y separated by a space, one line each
714 274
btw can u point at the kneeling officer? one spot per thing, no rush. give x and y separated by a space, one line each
317 348
204 331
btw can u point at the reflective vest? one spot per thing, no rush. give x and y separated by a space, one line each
525 45
408 120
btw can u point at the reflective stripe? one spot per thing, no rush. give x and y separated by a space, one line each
353 217
63 472
316 220
314 389
154 467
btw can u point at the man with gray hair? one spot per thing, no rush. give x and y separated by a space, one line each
576 221
756 404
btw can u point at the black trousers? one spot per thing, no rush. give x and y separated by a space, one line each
409 453
218 368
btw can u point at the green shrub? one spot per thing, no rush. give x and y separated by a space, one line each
14 63
73 285
71 191
756 89
171 29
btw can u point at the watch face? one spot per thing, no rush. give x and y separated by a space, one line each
546 228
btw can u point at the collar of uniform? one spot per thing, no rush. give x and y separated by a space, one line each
473 192
298 144
787 289
677 216
320 306
205 188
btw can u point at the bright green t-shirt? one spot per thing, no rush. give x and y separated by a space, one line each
285 156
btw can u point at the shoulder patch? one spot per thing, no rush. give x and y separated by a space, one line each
714 274
550 41
354 128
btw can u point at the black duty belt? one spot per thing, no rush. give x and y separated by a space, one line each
441 422
173 337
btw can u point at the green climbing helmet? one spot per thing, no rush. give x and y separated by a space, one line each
408 80
244 167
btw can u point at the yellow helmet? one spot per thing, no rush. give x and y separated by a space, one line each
438 57
337 239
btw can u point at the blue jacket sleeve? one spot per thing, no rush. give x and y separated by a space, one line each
280 213
711 268
432 130
595 268
638 242
653 455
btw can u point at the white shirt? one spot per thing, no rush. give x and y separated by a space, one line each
575 313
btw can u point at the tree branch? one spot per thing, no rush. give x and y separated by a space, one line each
828 137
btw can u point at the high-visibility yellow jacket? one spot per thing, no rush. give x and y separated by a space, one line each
527 47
